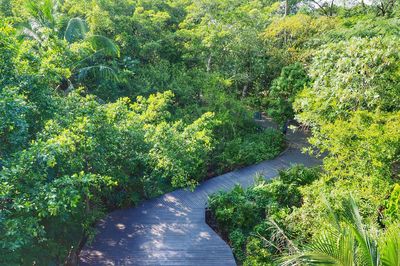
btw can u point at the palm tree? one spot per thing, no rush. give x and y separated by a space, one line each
78 30
44 16
348 243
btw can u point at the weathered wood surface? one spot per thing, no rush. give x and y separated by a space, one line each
171 229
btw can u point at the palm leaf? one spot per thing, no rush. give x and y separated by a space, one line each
27 31
390 249
97 72
48 9
76 30
367 247
279 239
104 44
42 11
333 217
330 248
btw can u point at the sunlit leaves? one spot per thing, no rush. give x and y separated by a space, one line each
359 74
94 155
392 210
349 243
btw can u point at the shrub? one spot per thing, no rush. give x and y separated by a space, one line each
247 216
299 175
238 242
283 91
235 210
392 205
99 156
358 74
251 148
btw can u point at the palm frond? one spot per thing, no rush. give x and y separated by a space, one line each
390 249
48 9
42 11
333 217
367 247
104 44
97 72
326 249
281 240
27 32
76 30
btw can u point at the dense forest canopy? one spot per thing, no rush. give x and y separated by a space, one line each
105 103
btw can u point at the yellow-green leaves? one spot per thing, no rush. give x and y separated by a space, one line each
392 204
359 74
92 156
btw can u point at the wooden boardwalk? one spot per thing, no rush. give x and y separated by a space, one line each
171 229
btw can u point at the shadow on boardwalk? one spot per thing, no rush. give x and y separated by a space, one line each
171 229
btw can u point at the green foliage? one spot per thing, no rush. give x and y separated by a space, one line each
6 8
359 74
389 246
247 216
62 180
250 149
361 155
235 210
91 54
58 195
348 242
392 206
74 143
295 31
257 253
14 124
238 241
76 30
105 103
8 50
180 153
26 95
283 92
367 145
299 175
212 41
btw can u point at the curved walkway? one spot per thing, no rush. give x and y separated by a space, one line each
171 229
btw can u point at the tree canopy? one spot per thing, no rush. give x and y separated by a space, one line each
105 103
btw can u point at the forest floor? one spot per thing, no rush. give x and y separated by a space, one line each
171 229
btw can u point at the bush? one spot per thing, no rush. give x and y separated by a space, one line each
354 75
99 156
283 91
238 242
250 149
299 175
235 210
247 216
257 253
392 205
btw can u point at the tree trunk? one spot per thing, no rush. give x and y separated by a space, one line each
244 91
286 7
363 6
73 255
209 64
331 8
